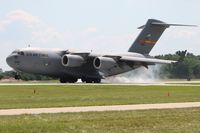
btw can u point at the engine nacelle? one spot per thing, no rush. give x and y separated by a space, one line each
72 60
104 63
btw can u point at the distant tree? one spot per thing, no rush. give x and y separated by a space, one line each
196 70
1 70
1 76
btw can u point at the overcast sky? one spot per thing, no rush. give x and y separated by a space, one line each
98 25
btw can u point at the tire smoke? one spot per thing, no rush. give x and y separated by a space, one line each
140 75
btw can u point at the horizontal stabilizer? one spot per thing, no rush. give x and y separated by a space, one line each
167 25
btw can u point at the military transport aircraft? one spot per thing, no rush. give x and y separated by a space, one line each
70 66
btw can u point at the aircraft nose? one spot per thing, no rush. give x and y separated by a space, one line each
10 60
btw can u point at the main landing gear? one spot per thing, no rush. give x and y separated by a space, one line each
17 76
68 80
84 80
90 80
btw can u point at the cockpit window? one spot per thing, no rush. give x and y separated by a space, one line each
21 53
18 52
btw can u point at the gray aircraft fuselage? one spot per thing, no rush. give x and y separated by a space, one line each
49 62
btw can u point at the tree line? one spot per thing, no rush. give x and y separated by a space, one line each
187 67
24 76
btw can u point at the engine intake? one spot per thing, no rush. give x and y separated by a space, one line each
72 60
104 63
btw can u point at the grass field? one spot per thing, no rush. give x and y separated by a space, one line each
155 121
85 95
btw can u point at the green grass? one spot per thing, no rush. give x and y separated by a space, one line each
86 95
147 121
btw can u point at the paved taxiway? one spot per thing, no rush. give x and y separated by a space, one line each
99 108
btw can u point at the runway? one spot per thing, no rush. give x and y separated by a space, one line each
101 84
99 108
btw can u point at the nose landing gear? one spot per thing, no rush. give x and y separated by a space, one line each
17 77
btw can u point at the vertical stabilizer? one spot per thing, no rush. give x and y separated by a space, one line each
148 37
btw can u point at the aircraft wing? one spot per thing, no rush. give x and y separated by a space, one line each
130 59
146 60
138 59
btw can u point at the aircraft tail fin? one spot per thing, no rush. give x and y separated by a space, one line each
150 34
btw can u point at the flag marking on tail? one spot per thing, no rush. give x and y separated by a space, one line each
143 42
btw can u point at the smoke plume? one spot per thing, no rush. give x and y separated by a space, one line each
140 75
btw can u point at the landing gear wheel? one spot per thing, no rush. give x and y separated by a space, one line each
68 80
90 80
97 81
83 80
72 80
62 80
17 77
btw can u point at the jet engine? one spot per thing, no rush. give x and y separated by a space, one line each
72 60
104 63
